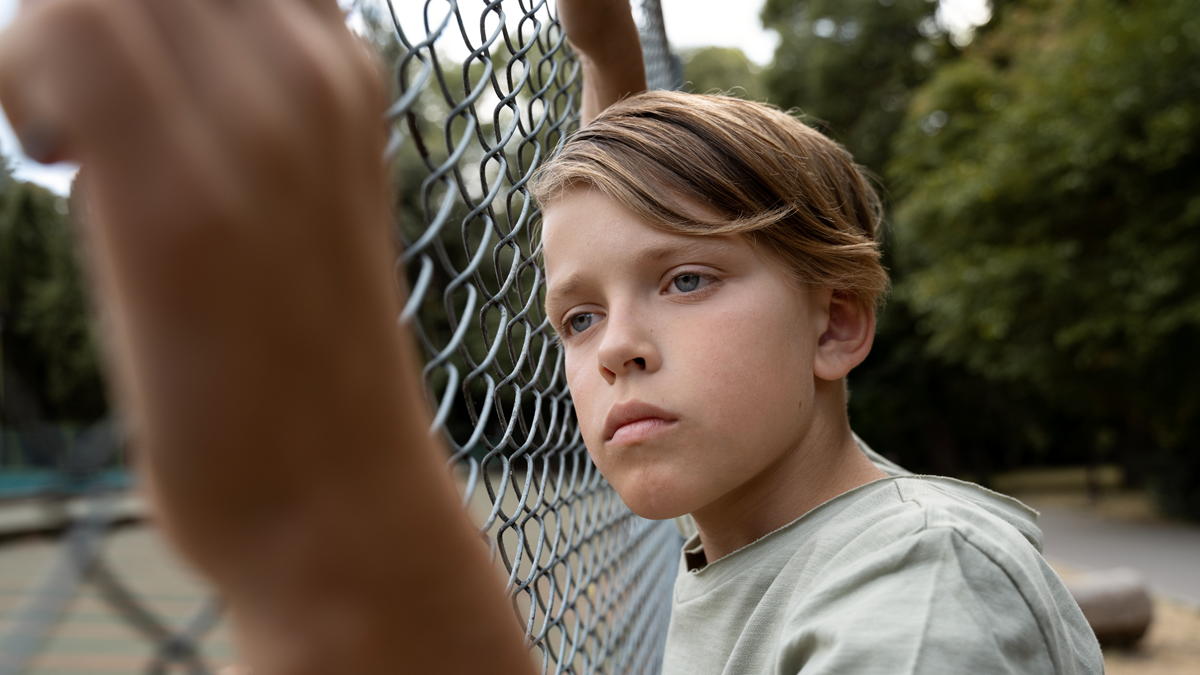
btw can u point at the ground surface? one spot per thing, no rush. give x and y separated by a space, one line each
1123 530
1172 646
1166 554
94 638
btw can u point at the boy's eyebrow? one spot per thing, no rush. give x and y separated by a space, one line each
656 253
575 280
566 288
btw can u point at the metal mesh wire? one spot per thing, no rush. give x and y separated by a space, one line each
484 92
664 70
590 580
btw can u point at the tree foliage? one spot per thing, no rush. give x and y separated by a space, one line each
1048 219
722 69
1042 187
51 371
852 68
851 65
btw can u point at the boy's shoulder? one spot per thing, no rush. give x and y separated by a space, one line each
944 573
901 507
900 511
906 506
901 570
940 495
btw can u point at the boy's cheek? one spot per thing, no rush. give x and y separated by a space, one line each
741 406
583 395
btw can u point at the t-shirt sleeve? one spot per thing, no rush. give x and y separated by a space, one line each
928 604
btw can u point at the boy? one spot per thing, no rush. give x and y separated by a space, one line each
712 270
706 343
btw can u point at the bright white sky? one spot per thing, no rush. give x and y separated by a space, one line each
690 23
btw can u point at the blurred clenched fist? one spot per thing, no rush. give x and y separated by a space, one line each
236 211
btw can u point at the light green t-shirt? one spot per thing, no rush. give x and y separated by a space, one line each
907 574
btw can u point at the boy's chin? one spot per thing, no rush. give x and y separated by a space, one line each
654 504
655 490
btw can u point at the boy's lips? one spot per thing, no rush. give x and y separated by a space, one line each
632 420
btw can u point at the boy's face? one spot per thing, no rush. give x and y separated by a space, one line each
690 359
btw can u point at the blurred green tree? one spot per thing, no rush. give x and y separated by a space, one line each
50 363
1047 215
724 69
851 65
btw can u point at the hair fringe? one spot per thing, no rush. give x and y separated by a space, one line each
707 165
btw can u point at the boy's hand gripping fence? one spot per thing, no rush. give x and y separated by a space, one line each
483 93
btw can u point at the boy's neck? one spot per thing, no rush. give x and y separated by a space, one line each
827 463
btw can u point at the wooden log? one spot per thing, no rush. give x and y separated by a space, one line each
1115 602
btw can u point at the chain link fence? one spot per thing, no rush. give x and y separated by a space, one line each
483 93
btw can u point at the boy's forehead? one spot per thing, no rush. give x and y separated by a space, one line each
585 220
653 252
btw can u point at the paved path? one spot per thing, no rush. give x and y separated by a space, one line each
1167 555
93 638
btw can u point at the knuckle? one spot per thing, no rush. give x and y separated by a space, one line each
35 75
333 86
74 18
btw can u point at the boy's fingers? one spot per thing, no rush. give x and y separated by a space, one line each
78 72
82 75
27 95
326 8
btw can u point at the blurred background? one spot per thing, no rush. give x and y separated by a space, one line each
1040 166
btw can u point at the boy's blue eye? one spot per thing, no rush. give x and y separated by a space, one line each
687 283
581 322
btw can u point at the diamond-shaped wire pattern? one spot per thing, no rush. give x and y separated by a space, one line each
484 92
590 580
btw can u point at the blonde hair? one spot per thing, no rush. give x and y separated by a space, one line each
754 170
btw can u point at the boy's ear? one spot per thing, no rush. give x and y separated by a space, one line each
848 336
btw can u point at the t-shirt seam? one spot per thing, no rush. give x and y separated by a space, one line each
912 667
756 545
893 484
946 510
954 530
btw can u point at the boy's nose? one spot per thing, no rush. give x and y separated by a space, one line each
626 348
